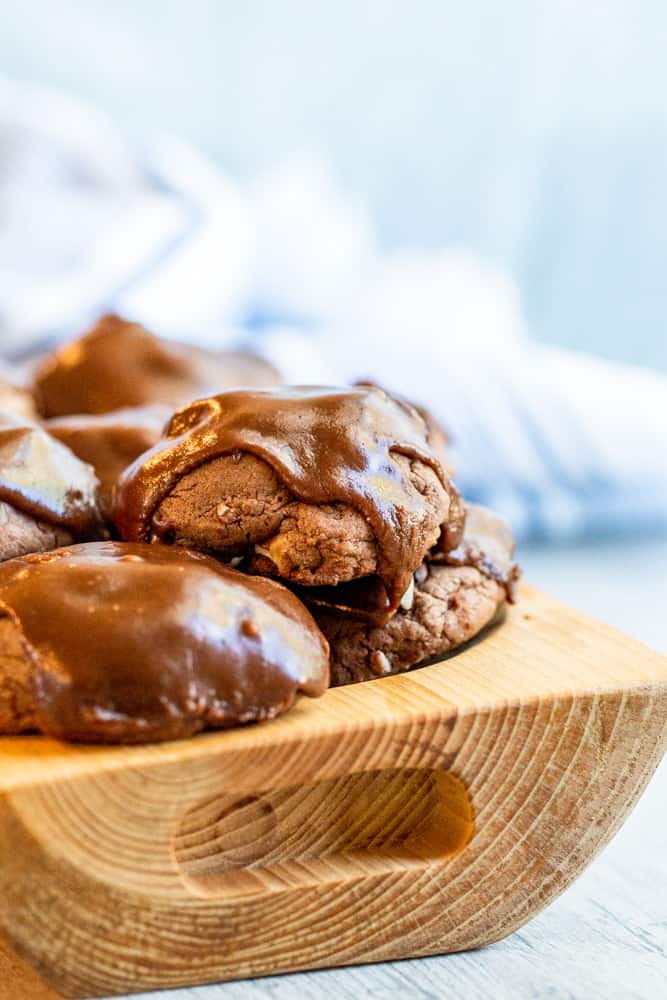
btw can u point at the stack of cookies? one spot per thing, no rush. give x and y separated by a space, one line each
253 544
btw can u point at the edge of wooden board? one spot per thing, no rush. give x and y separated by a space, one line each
541 649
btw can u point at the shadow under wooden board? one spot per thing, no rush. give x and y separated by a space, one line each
413 815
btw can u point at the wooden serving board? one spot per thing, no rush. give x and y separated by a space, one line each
414 815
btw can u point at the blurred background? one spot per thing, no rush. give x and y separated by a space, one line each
533 135
458 199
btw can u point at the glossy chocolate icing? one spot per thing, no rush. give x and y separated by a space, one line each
110 441
42 478
488 546
116 364
326 445
436 435
131 643
119 364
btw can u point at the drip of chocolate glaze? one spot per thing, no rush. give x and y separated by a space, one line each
130 643
44 479
437 439
487 545
326 445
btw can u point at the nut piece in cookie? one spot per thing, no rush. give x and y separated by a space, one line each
447 606
47 495
119 364
317 486
110 441
121 643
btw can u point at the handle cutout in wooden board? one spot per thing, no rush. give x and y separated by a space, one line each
346 828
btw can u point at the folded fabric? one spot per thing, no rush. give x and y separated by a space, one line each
95 220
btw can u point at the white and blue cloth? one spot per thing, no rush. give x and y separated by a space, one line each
92 220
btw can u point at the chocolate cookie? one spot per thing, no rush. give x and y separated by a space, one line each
47 495
110 441
447 606
316 486
122 643
118 364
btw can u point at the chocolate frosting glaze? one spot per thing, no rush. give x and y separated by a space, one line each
44 479
131 643
326 445
120 364
110 441
488 546
116 364
436 435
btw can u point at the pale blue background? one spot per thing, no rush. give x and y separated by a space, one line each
533 134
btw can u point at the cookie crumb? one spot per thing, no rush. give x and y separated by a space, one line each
249 628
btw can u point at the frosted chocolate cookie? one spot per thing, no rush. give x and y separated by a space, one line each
47 495
120 643
110 441
316 486
118 364
447 606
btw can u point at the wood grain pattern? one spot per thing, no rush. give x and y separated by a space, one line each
18 980
413 815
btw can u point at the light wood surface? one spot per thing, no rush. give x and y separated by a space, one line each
605 937
413 815
18 980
